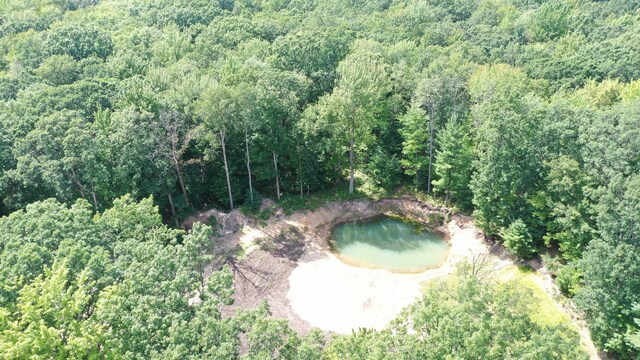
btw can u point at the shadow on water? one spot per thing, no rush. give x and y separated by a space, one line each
385 243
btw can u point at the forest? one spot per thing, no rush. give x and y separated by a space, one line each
120 118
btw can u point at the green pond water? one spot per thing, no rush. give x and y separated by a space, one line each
390 244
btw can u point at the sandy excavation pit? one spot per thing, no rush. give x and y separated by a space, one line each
337 297
289 263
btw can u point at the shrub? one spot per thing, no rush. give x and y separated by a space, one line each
568 279
254 204
517 239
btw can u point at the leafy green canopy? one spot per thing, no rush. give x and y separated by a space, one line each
524 112
118 285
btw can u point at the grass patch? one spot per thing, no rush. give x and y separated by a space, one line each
542 307
438 201
240 252
256 213
436 219
293 203
364 189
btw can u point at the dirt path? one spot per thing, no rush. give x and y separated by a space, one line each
288 263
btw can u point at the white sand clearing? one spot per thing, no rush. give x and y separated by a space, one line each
337 297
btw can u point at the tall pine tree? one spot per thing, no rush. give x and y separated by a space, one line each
453 163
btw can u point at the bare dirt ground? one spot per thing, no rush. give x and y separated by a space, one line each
287 262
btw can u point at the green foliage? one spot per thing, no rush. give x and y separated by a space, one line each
114 285
253 201
610 287
453 162
517 239
568 279
58 70
611 268
51 305
550 21
633 336
513 110
415 145
79 41
509 142
351 112
384 169
564 206
313 201
315 54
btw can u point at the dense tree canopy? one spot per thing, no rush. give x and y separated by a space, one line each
119 116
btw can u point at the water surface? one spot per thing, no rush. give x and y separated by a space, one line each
390 244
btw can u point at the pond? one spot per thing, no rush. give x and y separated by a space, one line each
385 243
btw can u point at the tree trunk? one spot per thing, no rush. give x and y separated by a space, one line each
75 179
351 169
446 198
275 166
175 159
300 177
430 147
173 209
246 146
181 180
93 195
226 166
